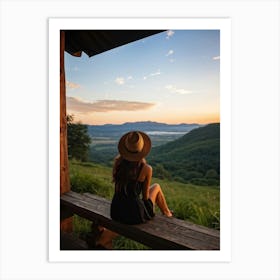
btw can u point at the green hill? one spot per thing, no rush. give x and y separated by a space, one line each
193 158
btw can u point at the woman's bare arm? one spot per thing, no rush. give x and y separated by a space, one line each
147 172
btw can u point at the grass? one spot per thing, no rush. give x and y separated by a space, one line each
198 204
92 178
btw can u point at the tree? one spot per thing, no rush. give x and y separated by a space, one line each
78 139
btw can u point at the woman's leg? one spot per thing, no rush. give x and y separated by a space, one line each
157 197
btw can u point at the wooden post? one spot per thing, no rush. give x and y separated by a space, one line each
66 224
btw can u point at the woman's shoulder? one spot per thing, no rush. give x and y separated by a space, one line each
146 172
146 168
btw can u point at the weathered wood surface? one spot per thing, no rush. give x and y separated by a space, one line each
161 233
64 165
66 224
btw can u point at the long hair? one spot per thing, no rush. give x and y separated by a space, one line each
125 171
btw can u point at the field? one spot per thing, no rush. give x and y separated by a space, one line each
198 204
157 139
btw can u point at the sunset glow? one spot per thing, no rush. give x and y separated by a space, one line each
171 77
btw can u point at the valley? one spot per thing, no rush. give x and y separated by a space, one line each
188 153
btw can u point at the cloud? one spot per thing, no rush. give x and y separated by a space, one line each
169 87
169 34
119 81
182 91
170 52
71 85
216 57
78 105
155 73
152 75
174 89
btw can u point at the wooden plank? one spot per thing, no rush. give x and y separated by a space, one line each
169 231
167 228
177 222
198 232
173 229
159 233
198 228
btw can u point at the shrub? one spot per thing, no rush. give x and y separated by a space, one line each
160 172
83 183
213 182
192 174
199 181
211 173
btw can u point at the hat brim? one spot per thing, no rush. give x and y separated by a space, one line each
135 156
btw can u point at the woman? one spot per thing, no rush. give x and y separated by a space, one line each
135 197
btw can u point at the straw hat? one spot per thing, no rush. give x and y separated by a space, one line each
134 145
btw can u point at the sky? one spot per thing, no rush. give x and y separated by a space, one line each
172 77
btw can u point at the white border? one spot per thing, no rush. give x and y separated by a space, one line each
224 254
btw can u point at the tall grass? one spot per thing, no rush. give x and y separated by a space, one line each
92 178
198 204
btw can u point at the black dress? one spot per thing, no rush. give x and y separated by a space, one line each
127 207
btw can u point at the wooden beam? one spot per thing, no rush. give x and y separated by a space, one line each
65 225
161 233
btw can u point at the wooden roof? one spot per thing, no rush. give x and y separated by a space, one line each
94 42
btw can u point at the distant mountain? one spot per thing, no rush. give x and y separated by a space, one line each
105 137
147 126
194 157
